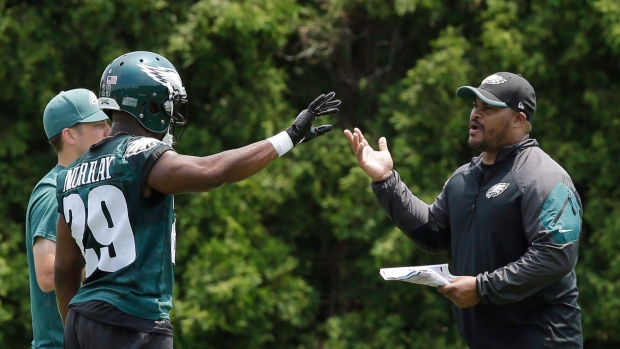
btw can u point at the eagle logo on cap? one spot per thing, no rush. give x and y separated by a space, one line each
493 80
92 99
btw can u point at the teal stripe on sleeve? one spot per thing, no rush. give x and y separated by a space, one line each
561 215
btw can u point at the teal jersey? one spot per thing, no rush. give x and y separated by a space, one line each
41 218
127 240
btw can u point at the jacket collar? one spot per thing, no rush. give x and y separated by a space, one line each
509 151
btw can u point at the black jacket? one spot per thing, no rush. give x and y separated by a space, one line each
514 226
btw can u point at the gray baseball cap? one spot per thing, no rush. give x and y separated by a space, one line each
69 108
506 90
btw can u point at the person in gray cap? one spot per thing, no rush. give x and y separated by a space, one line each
73 122
511 219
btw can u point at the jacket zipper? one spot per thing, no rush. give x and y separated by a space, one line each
484 181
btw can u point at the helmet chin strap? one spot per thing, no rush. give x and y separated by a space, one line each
168 138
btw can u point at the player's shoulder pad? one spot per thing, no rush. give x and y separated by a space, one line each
139 145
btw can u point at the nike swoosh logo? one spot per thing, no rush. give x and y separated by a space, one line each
564 230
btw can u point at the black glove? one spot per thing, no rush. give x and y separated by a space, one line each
302 130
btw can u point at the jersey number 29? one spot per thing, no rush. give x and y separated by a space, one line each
108 221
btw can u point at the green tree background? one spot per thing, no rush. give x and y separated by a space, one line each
290 258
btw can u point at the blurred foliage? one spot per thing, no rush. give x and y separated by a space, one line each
289 258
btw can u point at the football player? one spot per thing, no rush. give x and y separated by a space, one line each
116 204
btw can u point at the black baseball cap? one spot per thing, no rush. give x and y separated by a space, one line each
506 90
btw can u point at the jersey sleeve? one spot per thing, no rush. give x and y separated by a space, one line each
552 217
44 213
142 153
427 225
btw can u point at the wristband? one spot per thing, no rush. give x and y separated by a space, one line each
281 142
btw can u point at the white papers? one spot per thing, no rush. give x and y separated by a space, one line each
430 275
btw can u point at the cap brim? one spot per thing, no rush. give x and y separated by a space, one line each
99 115
470 93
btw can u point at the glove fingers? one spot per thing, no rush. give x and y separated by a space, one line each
323 101
302 128
330 111
317 102
316 132
323 129
330 104
330 96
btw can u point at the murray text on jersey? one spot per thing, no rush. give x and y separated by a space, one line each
88 172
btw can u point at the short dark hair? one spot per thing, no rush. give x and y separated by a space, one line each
56 141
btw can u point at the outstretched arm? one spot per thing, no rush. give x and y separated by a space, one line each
174 173
378 165
427 225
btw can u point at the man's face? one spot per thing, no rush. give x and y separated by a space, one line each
89 133
489 126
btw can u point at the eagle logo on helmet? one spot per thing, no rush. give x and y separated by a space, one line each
165 76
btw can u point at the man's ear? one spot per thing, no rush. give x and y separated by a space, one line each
520 119
68 136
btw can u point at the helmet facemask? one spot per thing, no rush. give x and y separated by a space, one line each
177 101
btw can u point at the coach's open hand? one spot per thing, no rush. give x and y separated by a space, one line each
302 131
